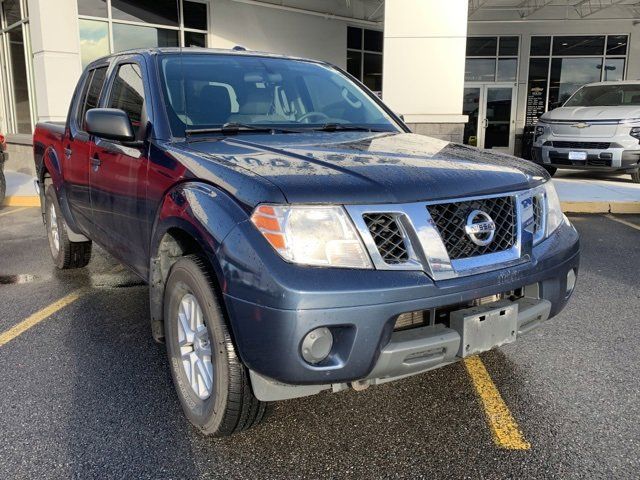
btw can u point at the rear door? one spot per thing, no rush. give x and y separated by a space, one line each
77 149
118 172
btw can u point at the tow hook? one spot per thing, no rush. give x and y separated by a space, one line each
360 385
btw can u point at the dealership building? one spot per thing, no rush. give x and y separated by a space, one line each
476 71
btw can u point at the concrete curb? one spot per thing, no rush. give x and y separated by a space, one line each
567 207
22 201
600 207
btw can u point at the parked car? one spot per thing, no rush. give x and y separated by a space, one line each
295 236
598 129
3 158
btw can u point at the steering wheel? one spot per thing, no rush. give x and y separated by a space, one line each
308 115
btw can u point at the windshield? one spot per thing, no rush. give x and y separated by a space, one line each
605 96
207 91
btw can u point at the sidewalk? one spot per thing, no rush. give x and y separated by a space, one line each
580 192
21 192
585 192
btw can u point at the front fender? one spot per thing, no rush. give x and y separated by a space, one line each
206 215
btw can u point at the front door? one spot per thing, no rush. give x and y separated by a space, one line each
118 173
490 108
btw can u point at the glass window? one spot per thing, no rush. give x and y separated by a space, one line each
373 40
613 70
162 12
93 93
94 40
508 46
579 45
569 74
11 12
126 37
482 46
354 38
617 45
20 83
507 69
540 45
537 89
354 63
93 8
372 71
195 15
127 93
269 91
480 70
194 39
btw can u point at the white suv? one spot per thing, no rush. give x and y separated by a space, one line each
598 129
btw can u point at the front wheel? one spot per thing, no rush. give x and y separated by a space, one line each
212 384
635 176
65 253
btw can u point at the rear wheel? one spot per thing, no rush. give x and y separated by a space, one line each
65 253
551 170
635 176
212 384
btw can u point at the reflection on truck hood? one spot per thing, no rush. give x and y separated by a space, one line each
362 167
593 113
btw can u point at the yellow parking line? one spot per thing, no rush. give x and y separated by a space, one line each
39 316
504 428
624 222
13 211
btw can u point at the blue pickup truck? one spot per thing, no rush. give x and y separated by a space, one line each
295 235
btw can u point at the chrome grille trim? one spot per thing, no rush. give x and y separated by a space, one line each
426 250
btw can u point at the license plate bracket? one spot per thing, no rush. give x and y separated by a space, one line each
577 155
485 327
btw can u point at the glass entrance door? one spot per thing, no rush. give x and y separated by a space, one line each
491 114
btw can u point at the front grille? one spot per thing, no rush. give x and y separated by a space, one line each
594 145
388 237
537 215
451 218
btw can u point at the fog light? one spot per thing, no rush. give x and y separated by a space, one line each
316 345
571 281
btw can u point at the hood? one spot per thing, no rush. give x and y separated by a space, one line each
367 168
593 113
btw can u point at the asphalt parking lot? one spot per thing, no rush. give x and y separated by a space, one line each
85 392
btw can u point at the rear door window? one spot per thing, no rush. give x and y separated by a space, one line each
127 93
93 90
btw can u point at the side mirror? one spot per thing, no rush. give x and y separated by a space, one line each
109 123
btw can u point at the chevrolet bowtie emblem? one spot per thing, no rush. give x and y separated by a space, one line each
581 125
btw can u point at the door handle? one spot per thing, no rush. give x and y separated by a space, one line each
67 153
95 162
485 123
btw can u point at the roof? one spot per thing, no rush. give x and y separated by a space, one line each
199 50
619 82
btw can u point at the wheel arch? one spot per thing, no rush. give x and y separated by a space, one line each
193 218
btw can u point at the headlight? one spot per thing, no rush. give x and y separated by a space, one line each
635 132
312 235
555 217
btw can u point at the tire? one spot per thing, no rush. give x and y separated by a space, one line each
551 170
228 405
65 253
635 176
3 186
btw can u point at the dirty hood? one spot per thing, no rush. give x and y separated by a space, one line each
362 167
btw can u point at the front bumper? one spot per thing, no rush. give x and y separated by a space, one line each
614 158
360 308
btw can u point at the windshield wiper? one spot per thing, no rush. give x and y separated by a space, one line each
233 128
334 127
